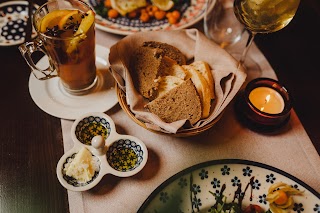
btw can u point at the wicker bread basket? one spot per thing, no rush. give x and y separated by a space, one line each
181 133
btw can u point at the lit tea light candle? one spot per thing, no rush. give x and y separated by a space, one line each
267 100
264 105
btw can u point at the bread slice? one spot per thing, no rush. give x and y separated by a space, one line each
167 83
202 89
170 67
178 71
169 50
204 68
181 102
147 64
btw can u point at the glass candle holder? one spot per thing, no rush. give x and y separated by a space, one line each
265 105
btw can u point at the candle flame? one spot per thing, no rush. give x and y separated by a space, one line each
267 98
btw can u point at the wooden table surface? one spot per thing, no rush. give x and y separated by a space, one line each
31 140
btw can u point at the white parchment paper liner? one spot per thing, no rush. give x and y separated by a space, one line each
195 46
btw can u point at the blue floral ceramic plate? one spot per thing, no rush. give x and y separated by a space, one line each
195 189
13 21
192 11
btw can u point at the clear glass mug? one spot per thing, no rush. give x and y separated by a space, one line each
71 58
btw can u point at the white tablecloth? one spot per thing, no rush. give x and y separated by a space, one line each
291 151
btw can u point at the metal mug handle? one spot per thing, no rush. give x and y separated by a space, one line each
27 49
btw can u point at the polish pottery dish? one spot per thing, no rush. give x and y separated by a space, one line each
99 150
13 21
191 11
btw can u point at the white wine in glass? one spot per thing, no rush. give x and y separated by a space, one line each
264 16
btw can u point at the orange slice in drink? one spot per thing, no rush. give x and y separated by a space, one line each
52 19
86 22
71 18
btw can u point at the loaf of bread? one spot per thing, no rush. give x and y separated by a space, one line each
181 102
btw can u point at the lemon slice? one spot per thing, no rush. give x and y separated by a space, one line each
127 6
164 5
52 19
80 34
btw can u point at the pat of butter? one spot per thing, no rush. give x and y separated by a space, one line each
81 167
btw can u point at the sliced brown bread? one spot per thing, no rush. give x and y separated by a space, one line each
169 50
202 87
147 66
181 102
170 67
167 83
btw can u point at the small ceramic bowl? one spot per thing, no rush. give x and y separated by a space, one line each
92 124
112 153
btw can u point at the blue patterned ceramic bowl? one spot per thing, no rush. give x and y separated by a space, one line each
112 153
126 155
90 125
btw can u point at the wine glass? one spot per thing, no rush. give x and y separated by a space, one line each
222 26
220 23
263 16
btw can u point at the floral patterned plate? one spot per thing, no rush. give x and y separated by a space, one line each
192 11
13 21
193 189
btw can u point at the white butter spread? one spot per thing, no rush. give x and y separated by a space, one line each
82 167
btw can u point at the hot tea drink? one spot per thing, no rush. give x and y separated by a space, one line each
74 54
66 34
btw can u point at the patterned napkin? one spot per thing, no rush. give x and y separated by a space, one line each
195 46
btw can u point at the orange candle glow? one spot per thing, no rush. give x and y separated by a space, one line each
267 100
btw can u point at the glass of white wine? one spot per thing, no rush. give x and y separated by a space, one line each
263 16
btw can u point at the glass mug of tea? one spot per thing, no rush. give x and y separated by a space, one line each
66 34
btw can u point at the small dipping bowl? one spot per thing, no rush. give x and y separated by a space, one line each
264 106
113 153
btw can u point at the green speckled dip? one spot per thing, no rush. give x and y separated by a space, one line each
124 155
91 126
